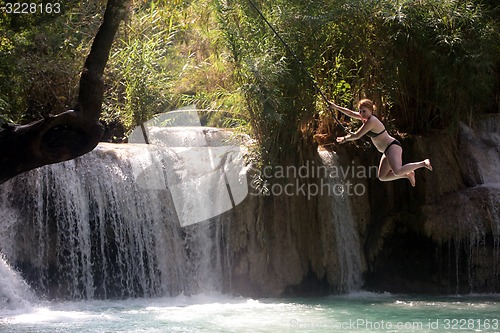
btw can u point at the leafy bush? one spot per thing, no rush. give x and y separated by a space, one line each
426 64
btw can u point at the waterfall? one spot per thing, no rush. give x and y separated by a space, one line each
89 228
143 220
14 291
348 245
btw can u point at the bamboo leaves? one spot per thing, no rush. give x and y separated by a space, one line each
140 70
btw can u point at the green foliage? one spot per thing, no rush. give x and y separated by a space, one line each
41 57
138 71
168 56
426 64
278 92
446 58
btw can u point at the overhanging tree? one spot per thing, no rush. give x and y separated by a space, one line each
74 132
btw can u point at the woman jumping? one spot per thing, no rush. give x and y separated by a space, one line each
391 166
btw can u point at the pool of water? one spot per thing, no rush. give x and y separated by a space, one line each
358 312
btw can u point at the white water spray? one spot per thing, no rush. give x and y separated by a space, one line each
14 291
346 231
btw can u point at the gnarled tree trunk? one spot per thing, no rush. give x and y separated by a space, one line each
71 133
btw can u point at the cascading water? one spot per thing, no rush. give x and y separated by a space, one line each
14 292
89 228
347 241
132 220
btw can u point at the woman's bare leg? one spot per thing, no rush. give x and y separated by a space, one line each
391 167
385 172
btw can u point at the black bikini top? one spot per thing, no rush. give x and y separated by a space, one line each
373 134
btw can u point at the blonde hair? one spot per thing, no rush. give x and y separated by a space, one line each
367 103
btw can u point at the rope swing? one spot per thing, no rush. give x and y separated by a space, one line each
301 65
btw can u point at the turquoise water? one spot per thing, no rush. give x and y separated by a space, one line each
360 312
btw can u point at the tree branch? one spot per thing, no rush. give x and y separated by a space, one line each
72 133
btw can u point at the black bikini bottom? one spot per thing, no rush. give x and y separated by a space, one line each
395 142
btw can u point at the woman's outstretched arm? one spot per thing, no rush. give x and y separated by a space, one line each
358 134
346 111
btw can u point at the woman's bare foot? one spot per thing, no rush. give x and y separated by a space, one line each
411 178
427 164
